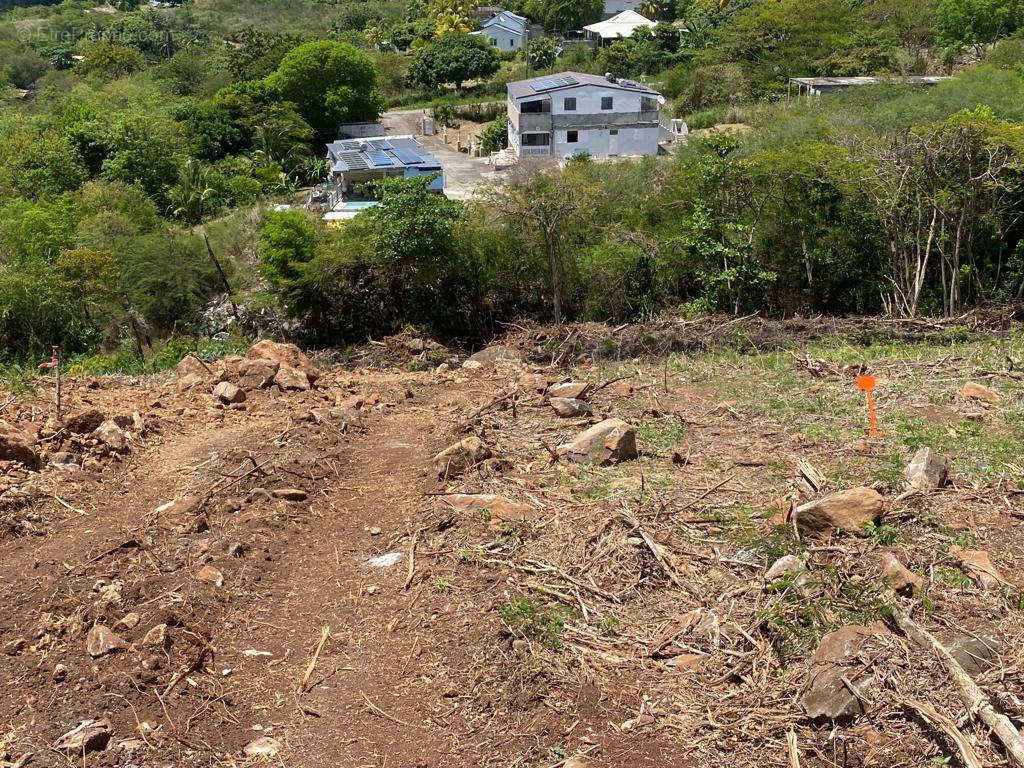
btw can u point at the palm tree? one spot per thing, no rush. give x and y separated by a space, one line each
190 197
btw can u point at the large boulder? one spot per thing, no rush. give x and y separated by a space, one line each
256 373
848 511
284 355
838 656
927 470
457 458
608 442
16 446
571 389
190 364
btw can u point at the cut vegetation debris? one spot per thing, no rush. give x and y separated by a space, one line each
711 564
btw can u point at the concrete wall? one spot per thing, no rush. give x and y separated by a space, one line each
505 41
604 142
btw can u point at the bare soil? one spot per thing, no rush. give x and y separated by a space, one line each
495 638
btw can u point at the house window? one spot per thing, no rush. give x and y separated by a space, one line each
572 136
511 43
647 104
494 41
607 102
535 107
570 104
614 132
536 139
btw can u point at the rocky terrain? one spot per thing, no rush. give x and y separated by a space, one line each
527 557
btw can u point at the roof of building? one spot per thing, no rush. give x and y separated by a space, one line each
489 29
380 153
567 80
620 25
840 82
506 19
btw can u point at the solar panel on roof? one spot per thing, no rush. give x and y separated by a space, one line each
381 159
355 161
554 82
379 143
408 157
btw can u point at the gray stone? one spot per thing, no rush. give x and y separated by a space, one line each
102 640
609 442
975 654
788 565
827 697
264 747
228 393
497 353
87 736
64 460
927 470
573 389
568 407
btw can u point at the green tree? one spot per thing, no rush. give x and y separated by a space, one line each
454 59
977 23
287 239
540 52
495 136
111 60
330 83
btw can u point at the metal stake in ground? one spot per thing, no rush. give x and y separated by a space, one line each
54 363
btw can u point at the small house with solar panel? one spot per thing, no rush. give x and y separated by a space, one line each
357 162
575 113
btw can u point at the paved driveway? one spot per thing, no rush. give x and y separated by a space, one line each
464 175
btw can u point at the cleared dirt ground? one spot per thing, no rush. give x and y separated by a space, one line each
600 616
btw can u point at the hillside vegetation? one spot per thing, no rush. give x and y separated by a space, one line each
140 147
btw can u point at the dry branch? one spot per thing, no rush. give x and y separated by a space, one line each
978 705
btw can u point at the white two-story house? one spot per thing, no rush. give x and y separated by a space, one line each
615 7
505 30
574 113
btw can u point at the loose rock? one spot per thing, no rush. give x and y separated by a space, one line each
975 654
256 373
85 422
568 407
87 736
788 565
501 511
827 695
228 393
15 446
900 578
848 511
210 575
609 442
292 379
927 470
156 637
290 494
112 436
497 353
974 391
190 365
979 567
264 746
284 355
571 389
459 457
102 640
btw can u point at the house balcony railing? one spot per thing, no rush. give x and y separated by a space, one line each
605 119
531 122
534 151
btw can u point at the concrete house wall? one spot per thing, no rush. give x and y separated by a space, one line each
615 7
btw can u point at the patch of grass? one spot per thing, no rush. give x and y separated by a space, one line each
526 617
741 529
609 625
442 584
662 435
18 379
800 618
953 577
465 556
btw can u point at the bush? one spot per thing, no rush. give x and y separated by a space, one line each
495 136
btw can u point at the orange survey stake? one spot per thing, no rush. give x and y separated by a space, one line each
866 384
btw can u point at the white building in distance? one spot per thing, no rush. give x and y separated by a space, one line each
575 113
505 30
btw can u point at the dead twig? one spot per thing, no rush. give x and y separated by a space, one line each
325 633
947 726
978 705
657 550
378 711
794 752
412 561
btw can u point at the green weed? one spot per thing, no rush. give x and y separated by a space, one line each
884 534
528 618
